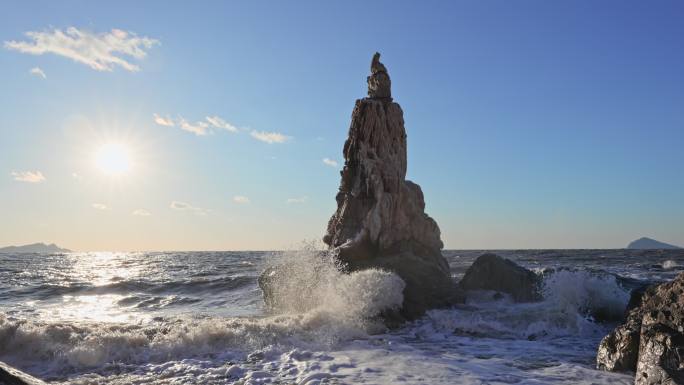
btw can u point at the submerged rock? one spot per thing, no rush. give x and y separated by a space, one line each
651 341
492 272
380 220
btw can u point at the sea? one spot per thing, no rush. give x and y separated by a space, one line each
199 318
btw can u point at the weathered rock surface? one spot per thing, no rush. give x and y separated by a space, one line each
12 376
380 220
491 272
379 83
651 341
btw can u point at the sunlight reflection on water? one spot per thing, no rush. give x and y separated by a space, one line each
96 270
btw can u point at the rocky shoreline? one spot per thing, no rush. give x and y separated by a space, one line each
651 340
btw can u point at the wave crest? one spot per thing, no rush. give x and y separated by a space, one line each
572 302
320 306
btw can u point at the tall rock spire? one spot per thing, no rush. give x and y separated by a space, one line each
380 220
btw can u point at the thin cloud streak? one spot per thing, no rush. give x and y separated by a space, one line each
214 123
269 137
28 176
199 128
99 206
299 200
240 199
163 121
38 72
182 206
217 122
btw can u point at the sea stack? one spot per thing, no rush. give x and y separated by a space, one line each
380 220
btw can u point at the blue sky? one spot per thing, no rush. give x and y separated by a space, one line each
531 124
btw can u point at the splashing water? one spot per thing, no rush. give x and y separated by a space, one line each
585 293
198 318
311 282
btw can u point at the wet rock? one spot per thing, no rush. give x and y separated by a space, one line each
380 220
619 350
635 298
491 272
651 341
267 281
12 376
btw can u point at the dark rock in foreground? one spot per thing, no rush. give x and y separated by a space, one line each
651 341
12 376
491 272
380 220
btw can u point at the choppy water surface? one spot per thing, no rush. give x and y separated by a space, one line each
198 318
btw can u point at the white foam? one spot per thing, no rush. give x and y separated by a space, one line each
318 307
670 264
585 293
312 284
324 332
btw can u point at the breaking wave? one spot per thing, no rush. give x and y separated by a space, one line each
573 303
318 306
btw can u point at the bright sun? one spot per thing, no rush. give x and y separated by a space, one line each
113 159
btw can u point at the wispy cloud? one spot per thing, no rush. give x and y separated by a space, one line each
298 200
240 199
269 137
141 213
28 176
99 206
99 51
38 72
211 124
163 121
217 122
199 128
182 206
330 162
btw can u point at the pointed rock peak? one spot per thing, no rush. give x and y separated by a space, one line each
379 83
376 66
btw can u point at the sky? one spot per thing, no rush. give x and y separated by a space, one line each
219 125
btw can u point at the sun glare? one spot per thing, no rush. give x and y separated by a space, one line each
113 159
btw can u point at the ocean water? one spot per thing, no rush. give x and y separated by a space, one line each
198 318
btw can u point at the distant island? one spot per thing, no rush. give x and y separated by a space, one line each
648 243
34 248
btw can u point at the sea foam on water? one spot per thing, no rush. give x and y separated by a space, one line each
318 306
323 329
